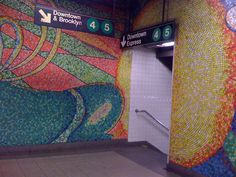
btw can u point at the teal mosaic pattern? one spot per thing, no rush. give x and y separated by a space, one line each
33 117
97 98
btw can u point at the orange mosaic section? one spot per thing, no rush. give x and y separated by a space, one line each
196 134
146 17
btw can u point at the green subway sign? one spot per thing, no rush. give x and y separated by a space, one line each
46 16
153 35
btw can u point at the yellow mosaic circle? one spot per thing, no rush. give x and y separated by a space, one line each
200 104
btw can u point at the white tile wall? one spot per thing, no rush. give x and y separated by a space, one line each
151 91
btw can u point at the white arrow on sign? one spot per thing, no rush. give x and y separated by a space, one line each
123 42
46 17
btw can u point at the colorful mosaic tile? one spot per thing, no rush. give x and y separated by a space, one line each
204 99
43 69
217 166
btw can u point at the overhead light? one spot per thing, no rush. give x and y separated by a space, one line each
166 44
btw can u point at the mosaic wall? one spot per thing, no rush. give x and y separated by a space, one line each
59 85
203 122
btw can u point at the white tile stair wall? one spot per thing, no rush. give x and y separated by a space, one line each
151 91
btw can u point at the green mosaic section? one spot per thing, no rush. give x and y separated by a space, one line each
8 42
19 83
35 29
230 147
76 122
76 47
82 70
19 6
82 9
44 54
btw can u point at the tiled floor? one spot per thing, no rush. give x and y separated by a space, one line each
147 157
121 162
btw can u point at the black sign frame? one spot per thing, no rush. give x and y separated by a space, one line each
149 36
57 18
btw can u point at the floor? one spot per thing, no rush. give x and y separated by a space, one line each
136 161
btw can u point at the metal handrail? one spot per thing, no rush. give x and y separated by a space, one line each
157 121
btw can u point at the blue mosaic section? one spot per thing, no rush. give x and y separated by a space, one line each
216 166
233 125
33 117
95 97
228 3
222 163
